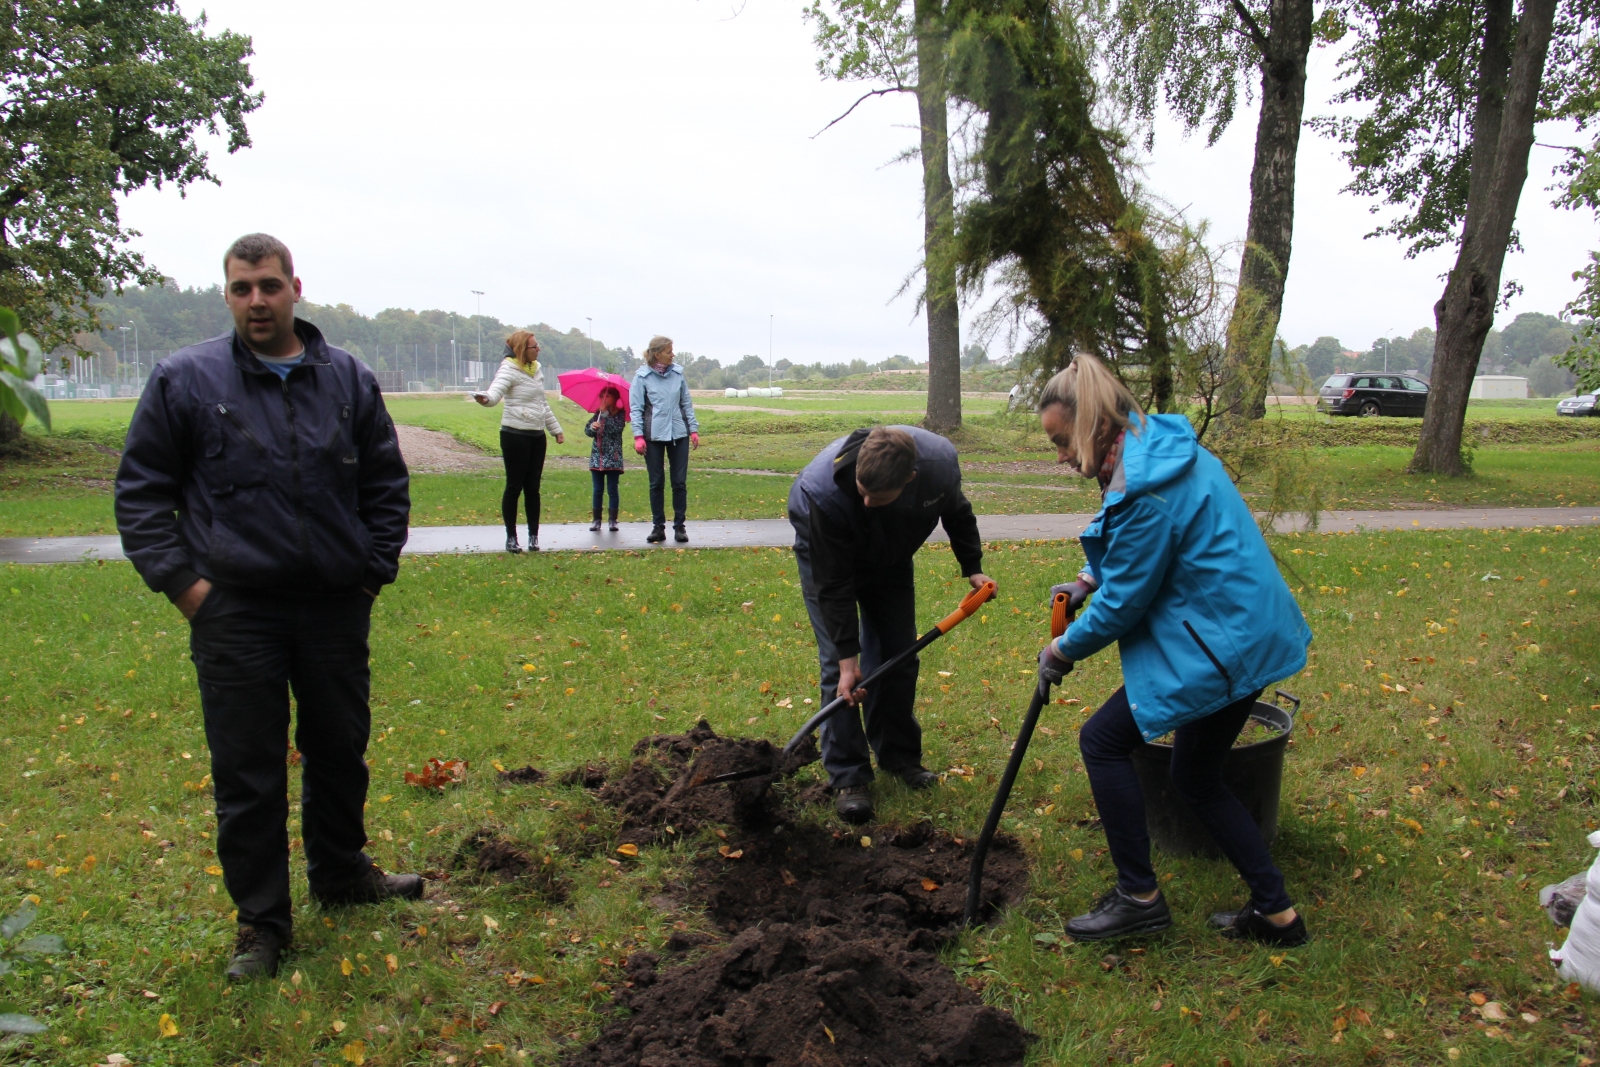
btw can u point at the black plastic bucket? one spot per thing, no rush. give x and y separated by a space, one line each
1253 773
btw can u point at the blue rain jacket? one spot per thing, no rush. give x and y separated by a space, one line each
659 404
1187 587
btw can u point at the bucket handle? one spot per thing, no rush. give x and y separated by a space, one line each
1280 696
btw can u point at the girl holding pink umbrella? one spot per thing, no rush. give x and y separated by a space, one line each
605 458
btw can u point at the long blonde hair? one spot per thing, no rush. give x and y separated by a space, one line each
520 349
1094 399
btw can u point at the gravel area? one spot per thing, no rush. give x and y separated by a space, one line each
432 451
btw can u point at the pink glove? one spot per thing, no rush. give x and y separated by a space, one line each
638 445
694 439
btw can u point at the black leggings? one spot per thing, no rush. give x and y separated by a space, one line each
524 457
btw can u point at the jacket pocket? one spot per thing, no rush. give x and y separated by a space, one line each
245 457
1212 656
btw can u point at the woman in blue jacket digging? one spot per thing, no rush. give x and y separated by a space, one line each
1183 581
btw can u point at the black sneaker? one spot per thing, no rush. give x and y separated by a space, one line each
918 778
657 535
373 886
680 535
512 546
255 954
853 803
1251 925
1120 914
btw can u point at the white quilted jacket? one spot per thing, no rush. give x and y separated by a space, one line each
526 407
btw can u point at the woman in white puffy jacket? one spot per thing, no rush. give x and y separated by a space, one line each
527 417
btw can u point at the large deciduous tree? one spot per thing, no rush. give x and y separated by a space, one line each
1453 90
900 45
1196 56
99 98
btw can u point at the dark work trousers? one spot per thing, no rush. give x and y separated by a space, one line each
523 452
675 455
1198 748
884 722
605 481
250 651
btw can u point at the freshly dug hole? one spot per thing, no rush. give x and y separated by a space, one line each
834 958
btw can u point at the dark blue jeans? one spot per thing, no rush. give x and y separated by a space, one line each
604 480
675 455
884 722
1106 741
250 651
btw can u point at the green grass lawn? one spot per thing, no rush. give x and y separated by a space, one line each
1442 770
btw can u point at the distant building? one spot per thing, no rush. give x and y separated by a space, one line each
1498 387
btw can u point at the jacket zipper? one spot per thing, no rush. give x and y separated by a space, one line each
222 409
294 464
1215 662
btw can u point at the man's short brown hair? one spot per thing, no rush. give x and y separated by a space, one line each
254 247
887 460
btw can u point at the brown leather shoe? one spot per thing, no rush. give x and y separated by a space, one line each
372 887
255 954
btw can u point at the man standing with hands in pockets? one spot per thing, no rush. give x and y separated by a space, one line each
262 490
860 512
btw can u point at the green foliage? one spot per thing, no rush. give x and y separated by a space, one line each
1322 357
866 40
1583 358
21 361
1082 260
101 99
11 928
1413 73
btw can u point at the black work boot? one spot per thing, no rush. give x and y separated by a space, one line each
657 535
917 777
853 803
372 886
614 526
596 527
679 534
1120 914
533 540
255 954
511 543
1249 924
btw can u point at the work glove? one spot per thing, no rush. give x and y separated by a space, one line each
638 445
1077 592
1052 668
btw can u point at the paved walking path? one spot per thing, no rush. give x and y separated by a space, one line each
752 533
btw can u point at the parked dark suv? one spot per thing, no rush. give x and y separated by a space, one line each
1366 393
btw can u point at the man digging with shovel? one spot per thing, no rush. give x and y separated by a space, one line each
860 512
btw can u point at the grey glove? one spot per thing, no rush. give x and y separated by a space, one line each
1052 668
1077 592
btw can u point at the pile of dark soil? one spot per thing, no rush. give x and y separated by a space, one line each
658 798
834 941
488 856
529 775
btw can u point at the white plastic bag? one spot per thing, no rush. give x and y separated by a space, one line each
1578 960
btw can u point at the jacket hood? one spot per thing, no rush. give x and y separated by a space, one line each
532 372
645 369
1158 450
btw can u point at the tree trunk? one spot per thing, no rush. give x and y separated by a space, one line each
1502 135
10 429
938 226
1264 267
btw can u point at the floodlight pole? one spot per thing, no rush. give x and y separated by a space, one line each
479 294
769 351
590 320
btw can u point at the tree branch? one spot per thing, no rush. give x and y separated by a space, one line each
864 97
1251 26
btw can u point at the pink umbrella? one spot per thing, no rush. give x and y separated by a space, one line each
582 387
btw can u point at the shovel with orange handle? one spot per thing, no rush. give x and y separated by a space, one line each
969 604
1060 616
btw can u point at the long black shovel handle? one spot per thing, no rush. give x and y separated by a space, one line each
1060 616
969 604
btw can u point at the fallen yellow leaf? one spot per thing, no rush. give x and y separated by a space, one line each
929 884
169 1027
346 968
356 1052
391 962
338 1026
214 870
628 850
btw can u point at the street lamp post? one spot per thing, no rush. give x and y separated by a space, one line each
479 294
769 351
590 320
136 364
124 331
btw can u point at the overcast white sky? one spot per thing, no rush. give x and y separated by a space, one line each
650 164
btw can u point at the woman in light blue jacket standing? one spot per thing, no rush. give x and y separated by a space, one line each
664 429
1183 581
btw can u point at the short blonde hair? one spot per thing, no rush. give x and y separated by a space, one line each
1093 398
658 344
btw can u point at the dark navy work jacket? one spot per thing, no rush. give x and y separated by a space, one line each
288 486
851 547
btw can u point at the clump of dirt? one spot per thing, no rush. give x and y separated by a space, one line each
835 936
589 776
490 856
658 796
529 775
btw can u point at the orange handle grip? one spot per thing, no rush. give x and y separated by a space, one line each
1058 615
972 602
